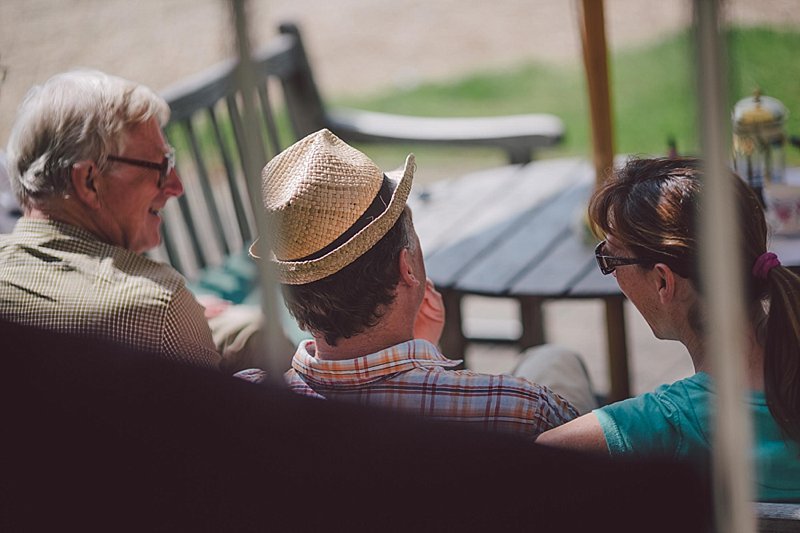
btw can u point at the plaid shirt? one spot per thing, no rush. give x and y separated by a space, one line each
414 377
61 278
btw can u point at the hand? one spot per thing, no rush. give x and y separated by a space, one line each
214 306
430 317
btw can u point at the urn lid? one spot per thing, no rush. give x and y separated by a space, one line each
759 115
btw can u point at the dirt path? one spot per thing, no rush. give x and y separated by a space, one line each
356 45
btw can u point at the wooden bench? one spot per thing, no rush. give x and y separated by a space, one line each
207 233
518 135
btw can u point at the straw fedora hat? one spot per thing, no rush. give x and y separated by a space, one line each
326 205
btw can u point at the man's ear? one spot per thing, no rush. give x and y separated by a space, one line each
665 281
83 183
406 271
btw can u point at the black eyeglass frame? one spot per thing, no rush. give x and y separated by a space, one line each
165 167
609 263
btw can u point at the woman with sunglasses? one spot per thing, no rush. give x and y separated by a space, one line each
647 213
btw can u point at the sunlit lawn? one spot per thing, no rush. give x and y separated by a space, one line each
652 96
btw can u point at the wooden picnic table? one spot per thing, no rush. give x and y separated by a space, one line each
517 232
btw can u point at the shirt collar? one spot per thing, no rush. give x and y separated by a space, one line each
47 228
402 357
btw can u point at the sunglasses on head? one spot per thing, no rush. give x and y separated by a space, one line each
609 263
164 168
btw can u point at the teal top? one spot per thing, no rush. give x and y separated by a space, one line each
675 421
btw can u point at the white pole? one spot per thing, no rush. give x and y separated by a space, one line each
721 276
272 339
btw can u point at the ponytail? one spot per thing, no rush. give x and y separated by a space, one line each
782 350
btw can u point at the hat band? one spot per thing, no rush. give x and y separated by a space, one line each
375 209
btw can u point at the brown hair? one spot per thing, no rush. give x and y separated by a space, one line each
650 207
353 299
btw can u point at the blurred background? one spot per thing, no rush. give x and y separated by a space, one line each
443 57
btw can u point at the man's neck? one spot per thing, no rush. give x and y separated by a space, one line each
32 212
395 326
358 345
68 213
58 212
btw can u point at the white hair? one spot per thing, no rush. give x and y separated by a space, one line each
74 116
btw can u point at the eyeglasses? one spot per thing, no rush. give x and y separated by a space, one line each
164 168
609 263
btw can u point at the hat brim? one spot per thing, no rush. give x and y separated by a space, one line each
302 272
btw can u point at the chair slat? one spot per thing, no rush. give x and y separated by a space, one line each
205 186
273 145
234 185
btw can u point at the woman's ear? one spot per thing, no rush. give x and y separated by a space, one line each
665 280
83 183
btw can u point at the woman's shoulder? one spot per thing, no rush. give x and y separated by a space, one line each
691 388
662 421
667 397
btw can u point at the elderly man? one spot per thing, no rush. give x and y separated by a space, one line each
353 276
92 171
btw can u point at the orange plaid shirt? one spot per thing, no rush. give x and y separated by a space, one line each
415 377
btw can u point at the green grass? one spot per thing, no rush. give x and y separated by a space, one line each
652 87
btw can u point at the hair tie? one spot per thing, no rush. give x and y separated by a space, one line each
765 262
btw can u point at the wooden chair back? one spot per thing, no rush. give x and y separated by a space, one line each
207 231
213 223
